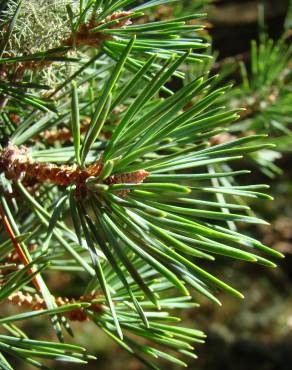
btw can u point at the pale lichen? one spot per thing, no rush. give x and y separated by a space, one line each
41 25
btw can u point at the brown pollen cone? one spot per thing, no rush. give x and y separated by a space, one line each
16 162
35 302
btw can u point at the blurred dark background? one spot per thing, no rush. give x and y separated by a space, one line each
236 22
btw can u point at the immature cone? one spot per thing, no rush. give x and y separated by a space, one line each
222 138
127 178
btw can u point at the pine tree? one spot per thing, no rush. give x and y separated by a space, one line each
115 178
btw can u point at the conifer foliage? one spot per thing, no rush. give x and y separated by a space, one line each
114 178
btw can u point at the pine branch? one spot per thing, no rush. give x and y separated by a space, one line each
131 203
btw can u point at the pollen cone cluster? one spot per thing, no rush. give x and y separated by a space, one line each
16 162
35 302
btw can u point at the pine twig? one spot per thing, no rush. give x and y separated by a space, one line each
22 256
